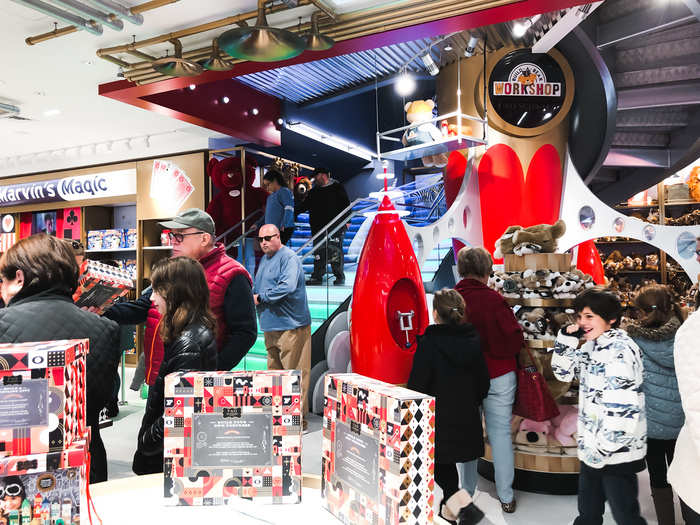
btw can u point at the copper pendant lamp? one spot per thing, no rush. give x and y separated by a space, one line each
261 43
216 62
316 41
176 66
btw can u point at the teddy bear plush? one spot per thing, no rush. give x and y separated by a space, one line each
562 436
302 186
564 288
532 436
422 131
225 207
694 183
512 286
541 238
533 322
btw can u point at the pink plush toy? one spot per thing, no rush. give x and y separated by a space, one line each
565 425
536 426
532 436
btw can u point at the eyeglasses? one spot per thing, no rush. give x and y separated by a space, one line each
267 238
179 237
12 490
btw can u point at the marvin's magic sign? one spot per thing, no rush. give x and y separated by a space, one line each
527 90
76 188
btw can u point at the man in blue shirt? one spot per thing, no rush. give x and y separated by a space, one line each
280 297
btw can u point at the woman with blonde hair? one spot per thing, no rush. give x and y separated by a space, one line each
449 365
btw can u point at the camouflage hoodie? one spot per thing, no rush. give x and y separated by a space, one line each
612 427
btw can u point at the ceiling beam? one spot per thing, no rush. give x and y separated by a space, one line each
682 94
639 23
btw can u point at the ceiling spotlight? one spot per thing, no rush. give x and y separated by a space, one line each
471 47
176 66
280 121
520 28
261 43
255 111
192 87
225 100
316 41
147 141
430 64
216 62
405 84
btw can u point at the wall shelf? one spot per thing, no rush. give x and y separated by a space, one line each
114 250
157 247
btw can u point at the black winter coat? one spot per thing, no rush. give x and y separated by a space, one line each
193 350
324 203
449 365
50 316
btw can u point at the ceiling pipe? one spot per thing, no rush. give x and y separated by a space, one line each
80 23
231 20
58 32
88 12
119 10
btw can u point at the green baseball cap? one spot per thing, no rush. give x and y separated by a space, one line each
192 218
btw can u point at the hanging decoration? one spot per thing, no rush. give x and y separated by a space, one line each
176 66
216 62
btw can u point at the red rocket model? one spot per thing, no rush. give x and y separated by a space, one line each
388 301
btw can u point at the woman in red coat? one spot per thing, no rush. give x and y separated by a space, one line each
501 341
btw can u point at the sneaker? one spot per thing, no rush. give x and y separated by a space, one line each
314 282
144 391
339 282
112 409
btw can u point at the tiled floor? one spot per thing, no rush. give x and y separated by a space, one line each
533 509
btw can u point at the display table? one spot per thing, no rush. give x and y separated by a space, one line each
139 499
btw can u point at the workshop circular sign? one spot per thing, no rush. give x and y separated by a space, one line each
530 92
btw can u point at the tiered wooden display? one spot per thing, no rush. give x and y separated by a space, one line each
547 468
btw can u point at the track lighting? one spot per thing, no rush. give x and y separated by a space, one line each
471 47
430 64
520 28
405 84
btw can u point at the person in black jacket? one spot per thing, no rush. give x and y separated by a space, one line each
449 365
181 295
326 200
39 275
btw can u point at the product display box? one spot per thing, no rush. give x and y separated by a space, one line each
42 396
378 452
43 488
232 434
100 285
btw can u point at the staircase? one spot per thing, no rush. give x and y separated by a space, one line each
324 299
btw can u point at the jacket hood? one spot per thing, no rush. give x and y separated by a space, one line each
450 341
660 333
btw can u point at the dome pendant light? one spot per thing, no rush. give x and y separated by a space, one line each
316 41
216 62
261 43
176 66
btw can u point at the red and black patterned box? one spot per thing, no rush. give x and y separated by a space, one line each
100 285
41 488
232 434
42 396
378 452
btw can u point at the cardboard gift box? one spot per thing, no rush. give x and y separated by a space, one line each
100 285
42 396
378 452
44 488
232 434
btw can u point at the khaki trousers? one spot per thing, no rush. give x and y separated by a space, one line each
291 350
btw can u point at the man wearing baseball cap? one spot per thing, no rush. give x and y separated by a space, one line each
230 286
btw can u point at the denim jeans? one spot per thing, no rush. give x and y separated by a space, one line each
498 411
249 261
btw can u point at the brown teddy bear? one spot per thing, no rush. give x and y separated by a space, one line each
694 183
533 322
541 238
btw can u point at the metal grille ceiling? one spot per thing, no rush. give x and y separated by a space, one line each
305 82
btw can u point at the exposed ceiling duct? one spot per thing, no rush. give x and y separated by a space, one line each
8 110
80 23
90 13
118 10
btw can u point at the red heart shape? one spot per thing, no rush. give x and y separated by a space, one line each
507 198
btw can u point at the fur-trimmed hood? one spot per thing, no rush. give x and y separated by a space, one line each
662 333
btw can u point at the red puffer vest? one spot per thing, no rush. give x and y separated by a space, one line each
219 269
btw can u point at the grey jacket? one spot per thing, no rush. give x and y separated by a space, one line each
663 401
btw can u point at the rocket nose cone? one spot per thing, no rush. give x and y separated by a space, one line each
386 204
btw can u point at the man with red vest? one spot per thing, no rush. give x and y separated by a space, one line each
230 288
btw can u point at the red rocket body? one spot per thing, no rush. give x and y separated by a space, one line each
389 308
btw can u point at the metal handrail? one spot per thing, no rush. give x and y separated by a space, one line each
235 226
371 203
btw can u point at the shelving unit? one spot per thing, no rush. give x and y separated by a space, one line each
114 250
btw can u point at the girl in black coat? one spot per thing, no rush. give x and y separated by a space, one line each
181 295
449 365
